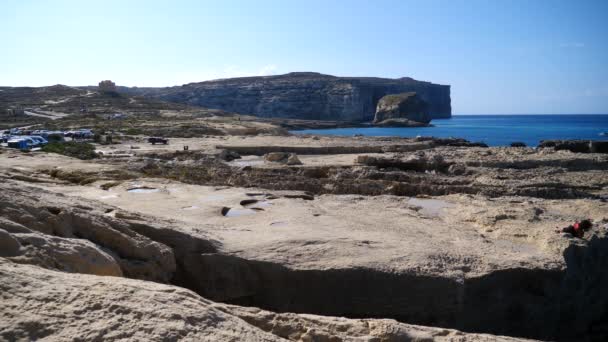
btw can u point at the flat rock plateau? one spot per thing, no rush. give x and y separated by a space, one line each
254 234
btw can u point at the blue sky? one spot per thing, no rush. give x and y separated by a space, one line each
500 57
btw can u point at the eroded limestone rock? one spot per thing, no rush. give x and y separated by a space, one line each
282 158
577 146
61 226
9 246
302 95
43 304
401 108
69 255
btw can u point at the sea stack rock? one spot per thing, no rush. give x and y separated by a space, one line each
404 109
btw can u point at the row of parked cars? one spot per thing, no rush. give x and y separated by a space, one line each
26 140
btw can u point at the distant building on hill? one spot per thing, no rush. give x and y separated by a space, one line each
107 86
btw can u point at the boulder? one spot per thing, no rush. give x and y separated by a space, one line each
276 157
69 255
228 155
399 107
457 169
293 159
282 158
9 246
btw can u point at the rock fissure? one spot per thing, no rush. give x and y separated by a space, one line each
514 301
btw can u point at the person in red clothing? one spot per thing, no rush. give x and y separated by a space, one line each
577 229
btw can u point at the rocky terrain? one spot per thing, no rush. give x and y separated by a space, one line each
302 95
237 230
271 237
222 107
66 306
62 107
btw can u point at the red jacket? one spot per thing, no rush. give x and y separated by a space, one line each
578 231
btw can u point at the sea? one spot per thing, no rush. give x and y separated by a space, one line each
494 130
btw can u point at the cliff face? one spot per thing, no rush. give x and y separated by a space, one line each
407 106
303 95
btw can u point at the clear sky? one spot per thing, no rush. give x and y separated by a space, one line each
500 56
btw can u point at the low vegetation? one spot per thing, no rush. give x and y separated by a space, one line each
80 150
112 178
75 177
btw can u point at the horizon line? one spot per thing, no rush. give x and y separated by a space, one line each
506 114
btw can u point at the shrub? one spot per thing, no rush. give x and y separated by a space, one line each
76 176
133 131
78 150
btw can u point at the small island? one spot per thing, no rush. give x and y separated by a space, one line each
402 110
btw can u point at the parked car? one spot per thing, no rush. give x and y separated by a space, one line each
158 140
31 142
55 136
21 143
39 140
40 132
83 134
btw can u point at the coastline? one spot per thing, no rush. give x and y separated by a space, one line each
494 130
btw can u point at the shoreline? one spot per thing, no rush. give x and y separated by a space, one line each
494 130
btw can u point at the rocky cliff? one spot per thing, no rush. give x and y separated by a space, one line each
404 106
302 95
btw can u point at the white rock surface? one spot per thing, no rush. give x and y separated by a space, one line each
45 305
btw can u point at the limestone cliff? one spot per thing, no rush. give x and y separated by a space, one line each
404 106
302 95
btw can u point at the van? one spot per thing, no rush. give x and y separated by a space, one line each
20 143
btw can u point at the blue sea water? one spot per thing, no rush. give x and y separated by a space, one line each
495 130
